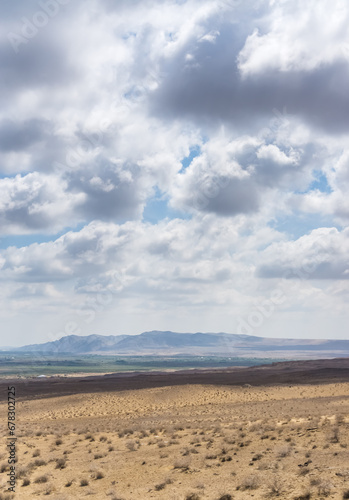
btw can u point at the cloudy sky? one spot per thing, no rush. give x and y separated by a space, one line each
174 164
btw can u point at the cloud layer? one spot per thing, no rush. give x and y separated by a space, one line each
167 153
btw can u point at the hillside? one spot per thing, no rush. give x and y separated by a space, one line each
172 343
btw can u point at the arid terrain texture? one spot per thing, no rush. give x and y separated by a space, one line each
279 431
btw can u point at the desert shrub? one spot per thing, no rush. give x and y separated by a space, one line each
103 439
325 488
181 464
68 484
192 496
61 463
26 482
84 482
283 452
225 497
36 453
345 495
143 434
163 485
303 496
58 442
340 419
159 487
275 487
131 445
41 479
97 456
99 475
39 462
315 481
333 435
111 448
22 472
49 489
251 482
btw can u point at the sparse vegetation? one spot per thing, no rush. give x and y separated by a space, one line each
197 445
162 486
39 462
251 482
303 496
41 479
131 445
283 452
325 488
61 463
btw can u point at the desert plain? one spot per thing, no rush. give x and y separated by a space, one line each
279 431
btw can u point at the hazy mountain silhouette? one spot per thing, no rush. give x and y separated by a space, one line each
171 343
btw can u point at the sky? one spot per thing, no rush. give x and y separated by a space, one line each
174 165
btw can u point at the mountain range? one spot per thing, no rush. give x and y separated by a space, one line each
198 344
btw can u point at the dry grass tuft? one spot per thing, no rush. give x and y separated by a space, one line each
325 488
251 482
41 479
303 496
131 445
283 452
275 488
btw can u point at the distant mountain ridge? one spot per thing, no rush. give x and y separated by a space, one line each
172 343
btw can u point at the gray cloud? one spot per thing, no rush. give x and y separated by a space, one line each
211 87
21 136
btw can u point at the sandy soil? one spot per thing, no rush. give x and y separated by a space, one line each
184 442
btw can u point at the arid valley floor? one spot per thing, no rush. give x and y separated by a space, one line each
275 432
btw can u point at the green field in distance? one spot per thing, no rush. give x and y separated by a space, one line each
35 364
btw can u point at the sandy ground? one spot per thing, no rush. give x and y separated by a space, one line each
187 442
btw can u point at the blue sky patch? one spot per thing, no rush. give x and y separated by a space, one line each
157 209
194 152
298 224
